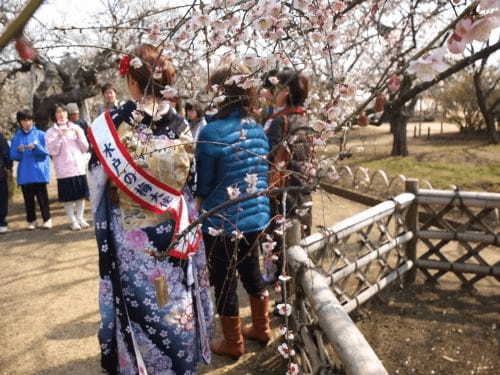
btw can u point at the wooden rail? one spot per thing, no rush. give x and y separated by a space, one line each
357 355
335 284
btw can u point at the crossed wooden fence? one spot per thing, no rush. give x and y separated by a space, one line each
346 264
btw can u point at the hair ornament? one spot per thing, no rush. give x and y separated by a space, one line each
124 65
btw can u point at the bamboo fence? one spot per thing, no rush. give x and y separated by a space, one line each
345 265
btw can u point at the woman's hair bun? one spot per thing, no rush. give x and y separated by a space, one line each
154 72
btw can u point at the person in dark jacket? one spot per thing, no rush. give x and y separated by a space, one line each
33 172
5 170
231 160
74 117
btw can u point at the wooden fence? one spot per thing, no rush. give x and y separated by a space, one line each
340 268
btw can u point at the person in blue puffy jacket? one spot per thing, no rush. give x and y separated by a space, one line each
230 162
33 171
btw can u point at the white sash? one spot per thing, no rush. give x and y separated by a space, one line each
143 188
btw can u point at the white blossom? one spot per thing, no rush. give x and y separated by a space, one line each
215 232
136 63
169 92
274 80
233 192
284 309
285 351
251 179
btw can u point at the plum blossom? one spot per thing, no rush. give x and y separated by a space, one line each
251 180
464 28
284 309
236 235
427 67
284 278
456 44
481 29
268 246
215 232
265 23
489 4
284 331
136 63
155 32
233 192
273 80
277 287
316 36
293 369
201 20
219 99
285 351
169 92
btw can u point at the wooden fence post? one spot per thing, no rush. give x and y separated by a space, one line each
411 186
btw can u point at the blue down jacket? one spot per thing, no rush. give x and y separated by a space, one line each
34 165
227 151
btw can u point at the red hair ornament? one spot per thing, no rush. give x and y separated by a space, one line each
124 65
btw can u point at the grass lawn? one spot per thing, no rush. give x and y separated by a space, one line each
443 160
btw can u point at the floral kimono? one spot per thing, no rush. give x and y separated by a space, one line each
138 334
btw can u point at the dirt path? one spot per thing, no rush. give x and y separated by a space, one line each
48 303
49 312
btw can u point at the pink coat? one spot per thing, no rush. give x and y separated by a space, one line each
67 146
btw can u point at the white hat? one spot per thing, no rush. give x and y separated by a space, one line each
72 108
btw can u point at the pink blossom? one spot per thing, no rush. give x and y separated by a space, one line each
429 66
456 44
293 369
481 29
284 309
136 63
464 28
169 92
285 351
277 287
273 80
155 32
137 239
488 4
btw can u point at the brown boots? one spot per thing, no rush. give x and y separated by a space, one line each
260 330
232 344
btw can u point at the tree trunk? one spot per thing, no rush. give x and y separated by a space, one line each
488 117
399 123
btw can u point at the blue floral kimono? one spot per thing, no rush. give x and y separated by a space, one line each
136 335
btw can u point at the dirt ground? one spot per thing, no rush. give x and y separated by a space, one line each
49 313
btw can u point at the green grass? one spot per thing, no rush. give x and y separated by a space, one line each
441 174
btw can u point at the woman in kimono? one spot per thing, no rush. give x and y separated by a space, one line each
153 295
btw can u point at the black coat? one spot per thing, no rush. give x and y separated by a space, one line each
5 161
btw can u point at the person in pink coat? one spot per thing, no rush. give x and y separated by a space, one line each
67 144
